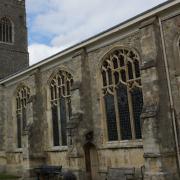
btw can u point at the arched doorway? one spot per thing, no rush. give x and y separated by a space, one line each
91 162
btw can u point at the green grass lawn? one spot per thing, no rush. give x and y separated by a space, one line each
4 176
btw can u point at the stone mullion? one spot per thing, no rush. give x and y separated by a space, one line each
131 114
129 100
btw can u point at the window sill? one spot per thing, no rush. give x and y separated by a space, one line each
17 150
126 144
7 43
58 149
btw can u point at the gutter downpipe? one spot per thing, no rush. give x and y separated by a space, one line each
170 95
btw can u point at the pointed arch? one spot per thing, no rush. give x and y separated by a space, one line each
60 98
22 98
6 30
122 93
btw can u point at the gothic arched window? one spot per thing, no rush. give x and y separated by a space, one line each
122 94
60 87
6 30
22 98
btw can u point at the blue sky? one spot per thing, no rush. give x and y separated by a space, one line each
57 24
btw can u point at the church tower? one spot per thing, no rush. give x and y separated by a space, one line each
13 37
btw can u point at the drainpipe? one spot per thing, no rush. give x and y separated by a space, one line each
170 94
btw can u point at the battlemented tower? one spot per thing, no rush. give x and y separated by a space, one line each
13 37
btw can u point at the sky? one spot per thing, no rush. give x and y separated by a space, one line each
54 25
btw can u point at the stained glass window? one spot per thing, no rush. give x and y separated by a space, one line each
6 34
22 97
60 106
122 94
111 117
123 108
137 104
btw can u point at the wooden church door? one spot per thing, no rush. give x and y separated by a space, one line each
91 162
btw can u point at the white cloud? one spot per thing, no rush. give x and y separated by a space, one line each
38 52
71 21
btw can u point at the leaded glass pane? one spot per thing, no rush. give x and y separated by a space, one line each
59 92
10 34
4 32
104 78
124 115
130 70
137 70
63 90
123 75
19 145
111 117
62 77
63 119
68 88
52 93
121 60
55 92
115 63
24 118
109 76
55 126
116 77
69 108
137 103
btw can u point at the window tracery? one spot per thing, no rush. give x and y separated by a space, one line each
60 87
122 94
6 30
22 98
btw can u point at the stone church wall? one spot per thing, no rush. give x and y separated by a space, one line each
156 151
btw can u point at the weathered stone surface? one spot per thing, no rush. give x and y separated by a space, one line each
14 56
153 156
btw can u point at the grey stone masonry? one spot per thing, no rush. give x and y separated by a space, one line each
14 56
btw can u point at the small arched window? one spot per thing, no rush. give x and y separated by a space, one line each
6 30
60 87
122 94
22 98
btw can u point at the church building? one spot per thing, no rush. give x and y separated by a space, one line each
105 108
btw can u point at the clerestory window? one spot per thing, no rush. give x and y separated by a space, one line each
122 94
60 87
6 30
22 97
